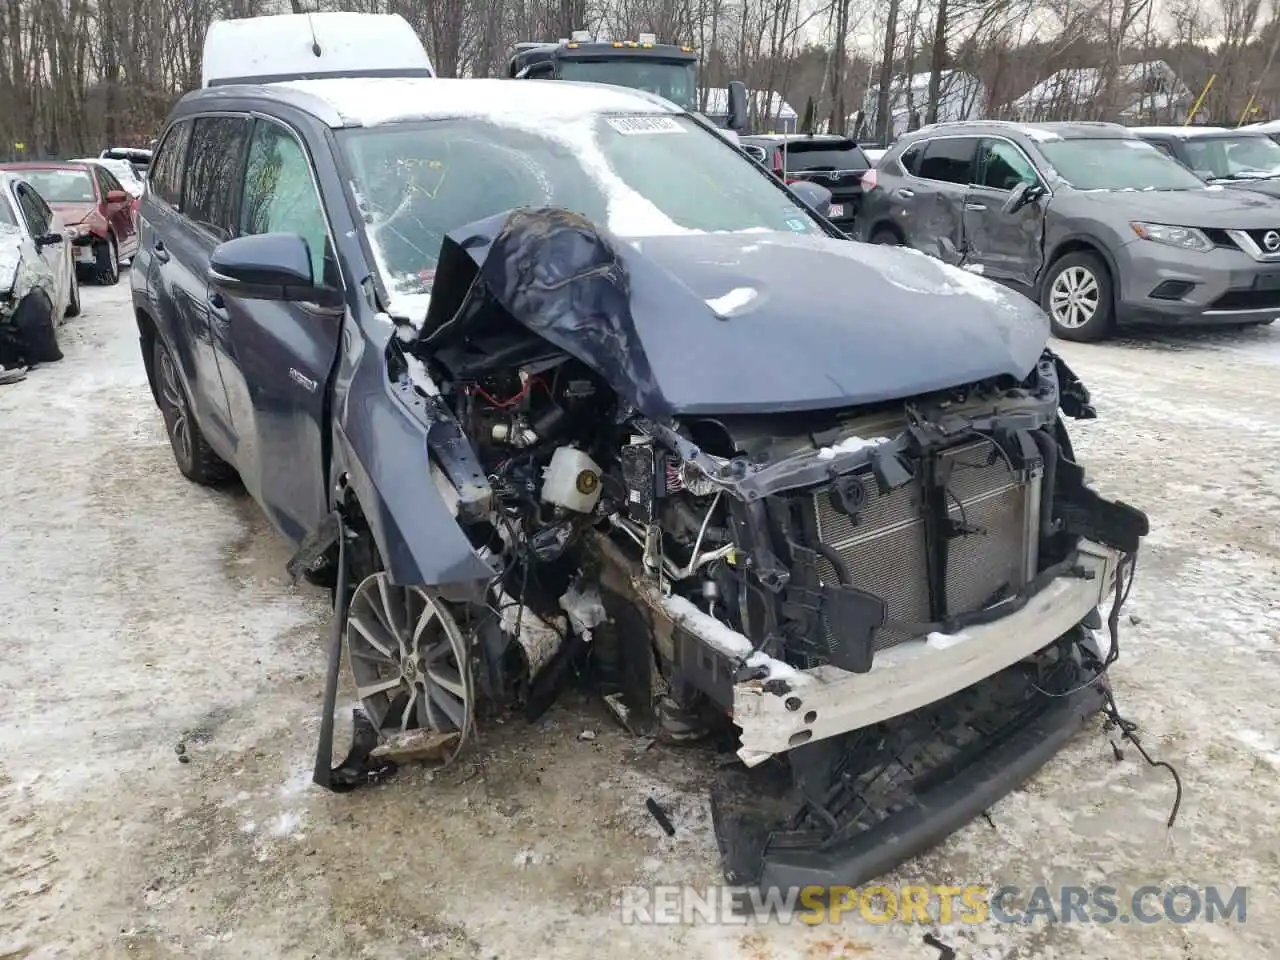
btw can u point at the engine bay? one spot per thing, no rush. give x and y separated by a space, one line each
672 561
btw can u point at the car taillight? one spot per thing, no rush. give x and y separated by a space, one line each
792 179
869 180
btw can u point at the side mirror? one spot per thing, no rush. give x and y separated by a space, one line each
47 240
736 119
758 154
814 196
117 196
1023 194
268 266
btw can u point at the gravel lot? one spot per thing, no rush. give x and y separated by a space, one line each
141 612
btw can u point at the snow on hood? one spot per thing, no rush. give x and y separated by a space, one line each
831 323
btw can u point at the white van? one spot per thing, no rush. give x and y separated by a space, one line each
306 46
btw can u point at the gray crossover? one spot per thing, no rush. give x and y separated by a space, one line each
1093 222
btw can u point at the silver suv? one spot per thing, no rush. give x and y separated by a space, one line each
1096 224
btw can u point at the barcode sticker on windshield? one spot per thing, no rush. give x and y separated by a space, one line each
633 126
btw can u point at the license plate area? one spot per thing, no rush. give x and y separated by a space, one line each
837 210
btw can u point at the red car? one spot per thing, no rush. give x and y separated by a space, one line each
95 206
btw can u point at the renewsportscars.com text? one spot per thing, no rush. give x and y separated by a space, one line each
934 903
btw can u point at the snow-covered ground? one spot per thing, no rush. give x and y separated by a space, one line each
141 614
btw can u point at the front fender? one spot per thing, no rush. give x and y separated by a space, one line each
1065 233
381 431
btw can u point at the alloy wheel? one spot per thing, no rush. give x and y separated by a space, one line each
409 659
1074 297
173 404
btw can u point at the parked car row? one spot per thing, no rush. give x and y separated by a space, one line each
61 222
1100 224
99 214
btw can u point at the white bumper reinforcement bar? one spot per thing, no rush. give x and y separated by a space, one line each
827 701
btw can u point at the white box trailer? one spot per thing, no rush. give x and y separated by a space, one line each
311 46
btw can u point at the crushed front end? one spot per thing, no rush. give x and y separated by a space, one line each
887 595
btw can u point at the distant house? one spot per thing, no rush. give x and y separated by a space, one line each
1148 92
961 96
770 113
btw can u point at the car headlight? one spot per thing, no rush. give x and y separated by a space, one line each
1186 238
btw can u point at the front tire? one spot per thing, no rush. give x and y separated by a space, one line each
1079 298
192 453
37 330
106 272
886 237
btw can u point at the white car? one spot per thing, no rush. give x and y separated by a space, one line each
38 285
124 171
140 157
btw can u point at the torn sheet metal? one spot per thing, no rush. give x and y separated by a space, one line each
22 269
814 336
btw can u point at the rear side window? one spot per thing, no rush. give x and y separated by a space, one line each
950 160
910 158
165 181
109 182
214 164
34 210
825 155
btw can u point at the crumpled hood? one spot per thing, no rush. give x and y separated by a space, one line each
736 323
1215 209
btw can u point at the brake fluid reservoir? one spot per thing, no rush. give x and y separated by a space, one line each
571 481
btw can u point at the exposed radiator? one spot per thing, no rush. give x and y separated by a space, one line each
884 550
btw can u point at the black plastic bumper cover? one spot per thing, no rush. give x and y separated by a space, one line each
937 813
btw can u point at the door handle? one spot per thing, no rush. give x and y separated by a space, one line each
160 252
906 194
975 206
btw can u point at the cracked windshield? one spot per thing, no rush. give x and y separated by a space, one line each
640 176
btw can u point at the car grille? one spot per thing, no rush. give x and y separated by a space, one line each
884 550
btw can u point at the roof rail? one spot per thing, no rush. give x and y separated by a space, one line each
963 123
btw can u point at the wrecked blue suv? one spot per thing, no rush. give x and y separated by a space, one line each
550 380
